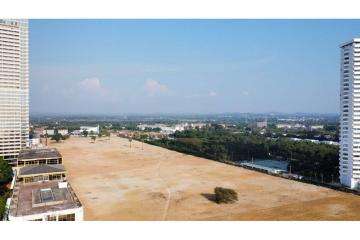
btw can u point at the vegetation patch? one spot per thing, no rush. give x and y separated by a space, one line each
225 195
5 177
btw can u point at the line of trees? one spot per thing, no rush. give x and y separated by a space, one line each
305 158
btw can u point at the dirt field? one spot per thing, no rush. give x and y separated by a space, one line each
116 182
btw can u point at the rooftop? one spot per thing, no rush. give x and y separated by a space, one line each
354 40
36 198
41 153
41 169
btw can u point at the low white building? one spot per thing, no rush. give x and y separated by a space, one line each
317 127
63 131
49 132
170 129
89 129
281 125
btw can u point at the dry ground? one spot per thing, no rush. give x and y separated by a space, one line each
116 182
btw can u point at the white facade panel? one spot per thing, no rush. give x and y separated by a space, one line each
350 114
14 88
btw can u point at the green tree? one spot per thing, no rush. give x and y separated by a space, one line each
5 172
85 133
142 138
225 195
2 207
57 137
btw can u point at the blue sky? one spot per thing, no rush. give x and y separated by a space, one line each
186 66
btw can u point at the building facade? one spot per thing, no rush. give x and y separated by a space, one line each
90 130
350 114
41 191
14 88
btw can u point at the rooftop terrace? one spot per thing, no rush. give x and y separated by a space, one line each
36 198
42 153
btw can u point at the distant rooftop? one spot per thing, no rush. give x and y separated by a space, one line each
36 198
42 153
41 169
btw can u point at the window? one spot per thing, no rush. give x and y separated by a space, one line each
52 161
51 218
68 217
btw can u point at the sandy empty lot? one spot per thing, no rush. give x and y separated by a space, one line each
116 182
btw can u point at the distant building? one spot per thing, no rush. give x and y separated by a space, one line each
63 131
298 125
262 124
285 126
39 131
94 130
49 132
317 127
290 126
125 133
171 129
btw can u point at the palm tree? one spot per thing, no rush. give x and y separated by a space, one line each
130 140
142 138
108 134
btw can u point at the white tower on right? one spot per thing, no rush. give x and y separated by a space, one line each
350 114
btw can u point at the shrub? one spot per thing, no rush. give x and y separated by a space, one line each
5 172
2 207
225 195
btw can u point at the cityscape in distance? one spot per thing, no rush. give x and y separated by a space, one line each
179 120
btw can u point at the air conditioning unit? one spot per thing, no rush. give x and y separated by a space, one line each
63 184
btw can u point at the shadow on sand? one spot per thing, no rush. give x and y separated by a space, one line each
209 196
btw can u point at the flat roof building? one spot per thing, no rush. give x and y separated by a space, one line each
45 201
41 191
90 130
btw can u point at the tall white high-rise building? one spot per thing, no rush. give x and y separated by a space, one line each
14 87
350 114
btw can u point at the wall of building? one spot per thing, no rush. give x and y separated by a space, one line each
79 215
14 87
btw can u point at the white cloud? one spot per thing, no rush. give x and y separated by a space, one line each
153 87
213 94
91 85
245 93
